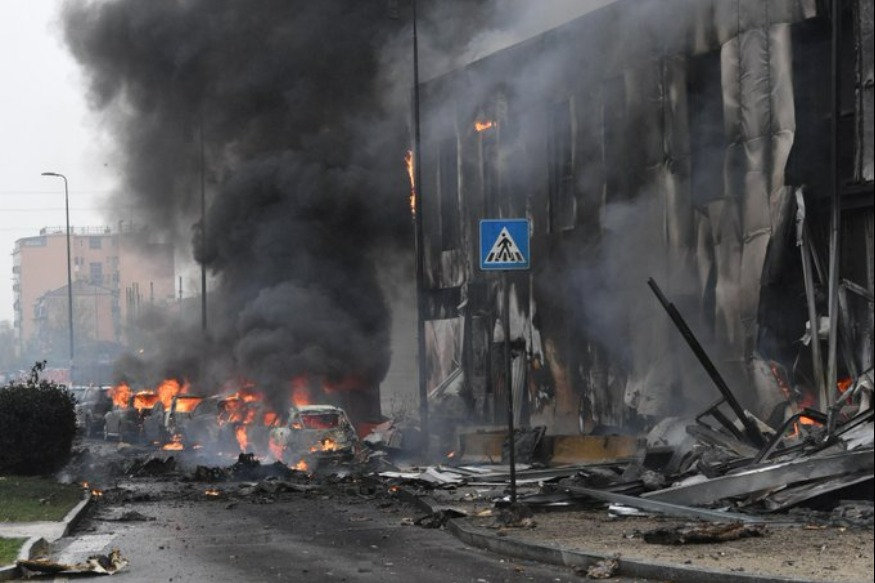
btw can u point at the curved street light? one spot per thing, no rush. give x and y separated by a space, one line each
69 267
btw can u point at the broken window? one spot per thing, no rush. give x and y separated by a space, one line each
320 421
707 135
560 159
618 171
809 159
491 181
448 187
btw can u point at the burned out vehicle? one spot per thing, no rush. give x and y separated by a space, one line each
165 421
314 431
225 424
182 410
125 422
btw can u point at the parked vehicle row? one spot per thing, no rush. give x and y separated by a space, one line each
225 424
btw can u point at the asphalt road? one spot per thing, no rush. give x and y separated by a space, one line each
327 535
171 528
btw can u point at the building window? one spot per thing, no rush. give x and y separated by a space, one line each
448 187
96 273
619 161
560 160
490 173
707 134
94 242
34 242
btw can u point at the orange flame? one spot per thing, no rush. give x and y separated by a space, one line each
175 444
409 162
325 445
301 466
168 389
121 395
187 404
300 391
242 438
844 384
780 380
483 125
145 400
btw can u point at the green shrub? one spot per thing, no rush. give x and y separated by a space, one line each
37 427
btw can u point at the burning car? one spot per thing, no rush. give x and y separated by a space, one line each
245 420
125 421
315 431
164 423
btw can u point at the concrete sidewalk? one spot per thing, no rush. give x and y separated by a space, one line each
468 531
39 535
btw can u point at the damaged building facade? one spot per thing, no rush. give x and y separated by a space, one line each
687 141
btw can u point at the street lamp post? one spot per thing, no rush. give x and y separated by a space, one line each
69 267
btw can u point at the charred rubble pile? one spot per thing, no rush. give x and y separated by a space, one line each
816 474
721 465
812 474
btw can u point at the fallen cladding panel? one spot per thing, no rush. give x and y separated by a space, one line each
766 477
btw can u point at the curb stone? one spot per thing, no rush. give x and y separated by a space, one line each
36 546
627 567
556 555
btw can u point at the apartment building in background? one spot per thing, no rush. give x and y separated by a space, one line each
116 274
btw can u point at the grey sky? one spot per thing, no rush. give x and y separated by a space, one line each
44 126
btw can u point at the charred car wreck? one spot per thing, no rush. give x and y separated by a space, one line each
314 432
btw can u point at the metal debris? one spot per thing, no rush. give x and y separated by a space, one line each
702 533
604 569
93 565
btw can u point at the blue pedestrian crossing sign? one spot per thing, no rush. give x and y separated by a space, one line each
504 244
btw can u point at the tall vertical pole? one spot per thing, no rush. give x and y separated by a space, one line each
420 251
834 239
508 383
69 276
69 267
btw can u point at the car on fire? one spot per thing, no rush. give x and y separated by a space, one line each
220 423
320 431
125 423
164 423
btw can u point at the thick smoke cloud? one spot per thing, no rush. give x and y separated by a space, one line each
273 103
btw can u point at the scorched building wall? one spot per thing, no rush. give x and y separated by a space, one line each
662 139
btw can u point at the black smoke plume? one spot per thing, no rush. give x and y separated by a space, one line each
274 105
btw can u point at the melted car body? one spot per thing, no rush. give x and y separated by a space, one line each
321 431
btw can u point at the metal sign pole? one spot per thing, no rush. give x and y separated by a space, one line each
508 376
504 245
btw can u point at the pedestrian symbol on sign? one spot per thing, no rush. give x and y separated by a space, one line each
505 250
504 244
